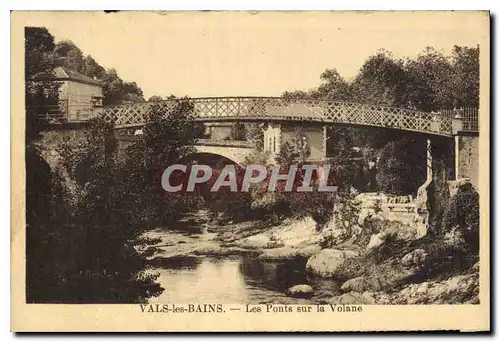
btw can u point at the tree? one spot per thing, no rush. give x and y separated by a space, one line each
401 167
382 81
465 76
429 78
116 91
155 98
69 55
333 87
165 141
297 94
106 262
254 132
239 131
93 69
42 93
38 45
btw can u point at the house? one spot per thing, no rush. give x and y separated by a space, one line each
80 96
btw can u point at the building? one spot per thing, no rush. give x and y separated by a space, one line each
80 96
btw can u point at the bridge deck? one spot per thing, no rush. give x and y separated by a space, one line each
281 109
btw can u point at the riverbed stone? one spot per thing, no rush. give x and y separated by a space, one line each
300 291
309 251
461 289
358 284
278 253
375 241
325 263
352 298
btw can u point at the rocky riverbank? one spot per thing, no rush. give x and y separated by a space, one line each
380 259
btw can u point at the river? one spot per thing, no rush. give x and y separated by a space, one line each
233 279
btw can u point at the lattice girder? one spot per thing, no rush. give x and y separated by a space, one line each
280 109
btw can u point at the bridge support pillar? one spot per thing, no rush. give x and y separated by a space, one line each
422 212
466 152
467 157
310 137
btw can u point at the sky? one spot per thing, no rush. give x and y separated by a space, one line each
250 54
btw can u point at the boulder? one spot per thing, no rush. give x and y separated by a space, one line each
309 251
388 277
325 263
279 253
462 289
358 284
352 298
300 291
376 240
415 259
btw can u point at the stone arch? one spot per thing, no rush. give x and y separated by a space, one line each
214 160
237 154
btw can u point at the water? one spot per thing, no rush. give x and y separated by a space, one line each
241 279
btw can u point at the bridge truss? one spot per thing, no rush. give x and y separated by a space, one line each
231 109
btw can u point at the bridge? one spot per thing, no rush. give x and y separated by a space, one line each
281 117
278 109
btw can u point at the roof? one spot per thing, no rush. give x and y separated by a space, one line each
64 74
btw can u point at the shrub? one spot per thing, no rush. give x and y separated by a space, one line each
462 214
401 167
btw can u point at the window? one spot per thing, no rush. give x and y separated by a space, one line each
274 144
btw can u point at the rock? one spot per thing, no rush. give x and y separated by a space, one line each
325 263
274 244
353 298
359 284
375 241
279 253
455 290
309 251
300 291
415 259
212 250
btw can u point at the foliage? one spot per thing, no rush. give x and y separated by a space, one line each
257 157
47 224
165 140
401 168
41 93
342 160
287 155
462 215
155 98
333 87
429 82
255 134
92 249
381 80
238 131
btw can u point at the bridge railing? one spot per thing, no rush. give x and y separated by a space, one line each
469 116
282 109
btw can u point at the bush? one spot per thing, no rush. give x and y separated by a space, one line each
462 215
401 167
